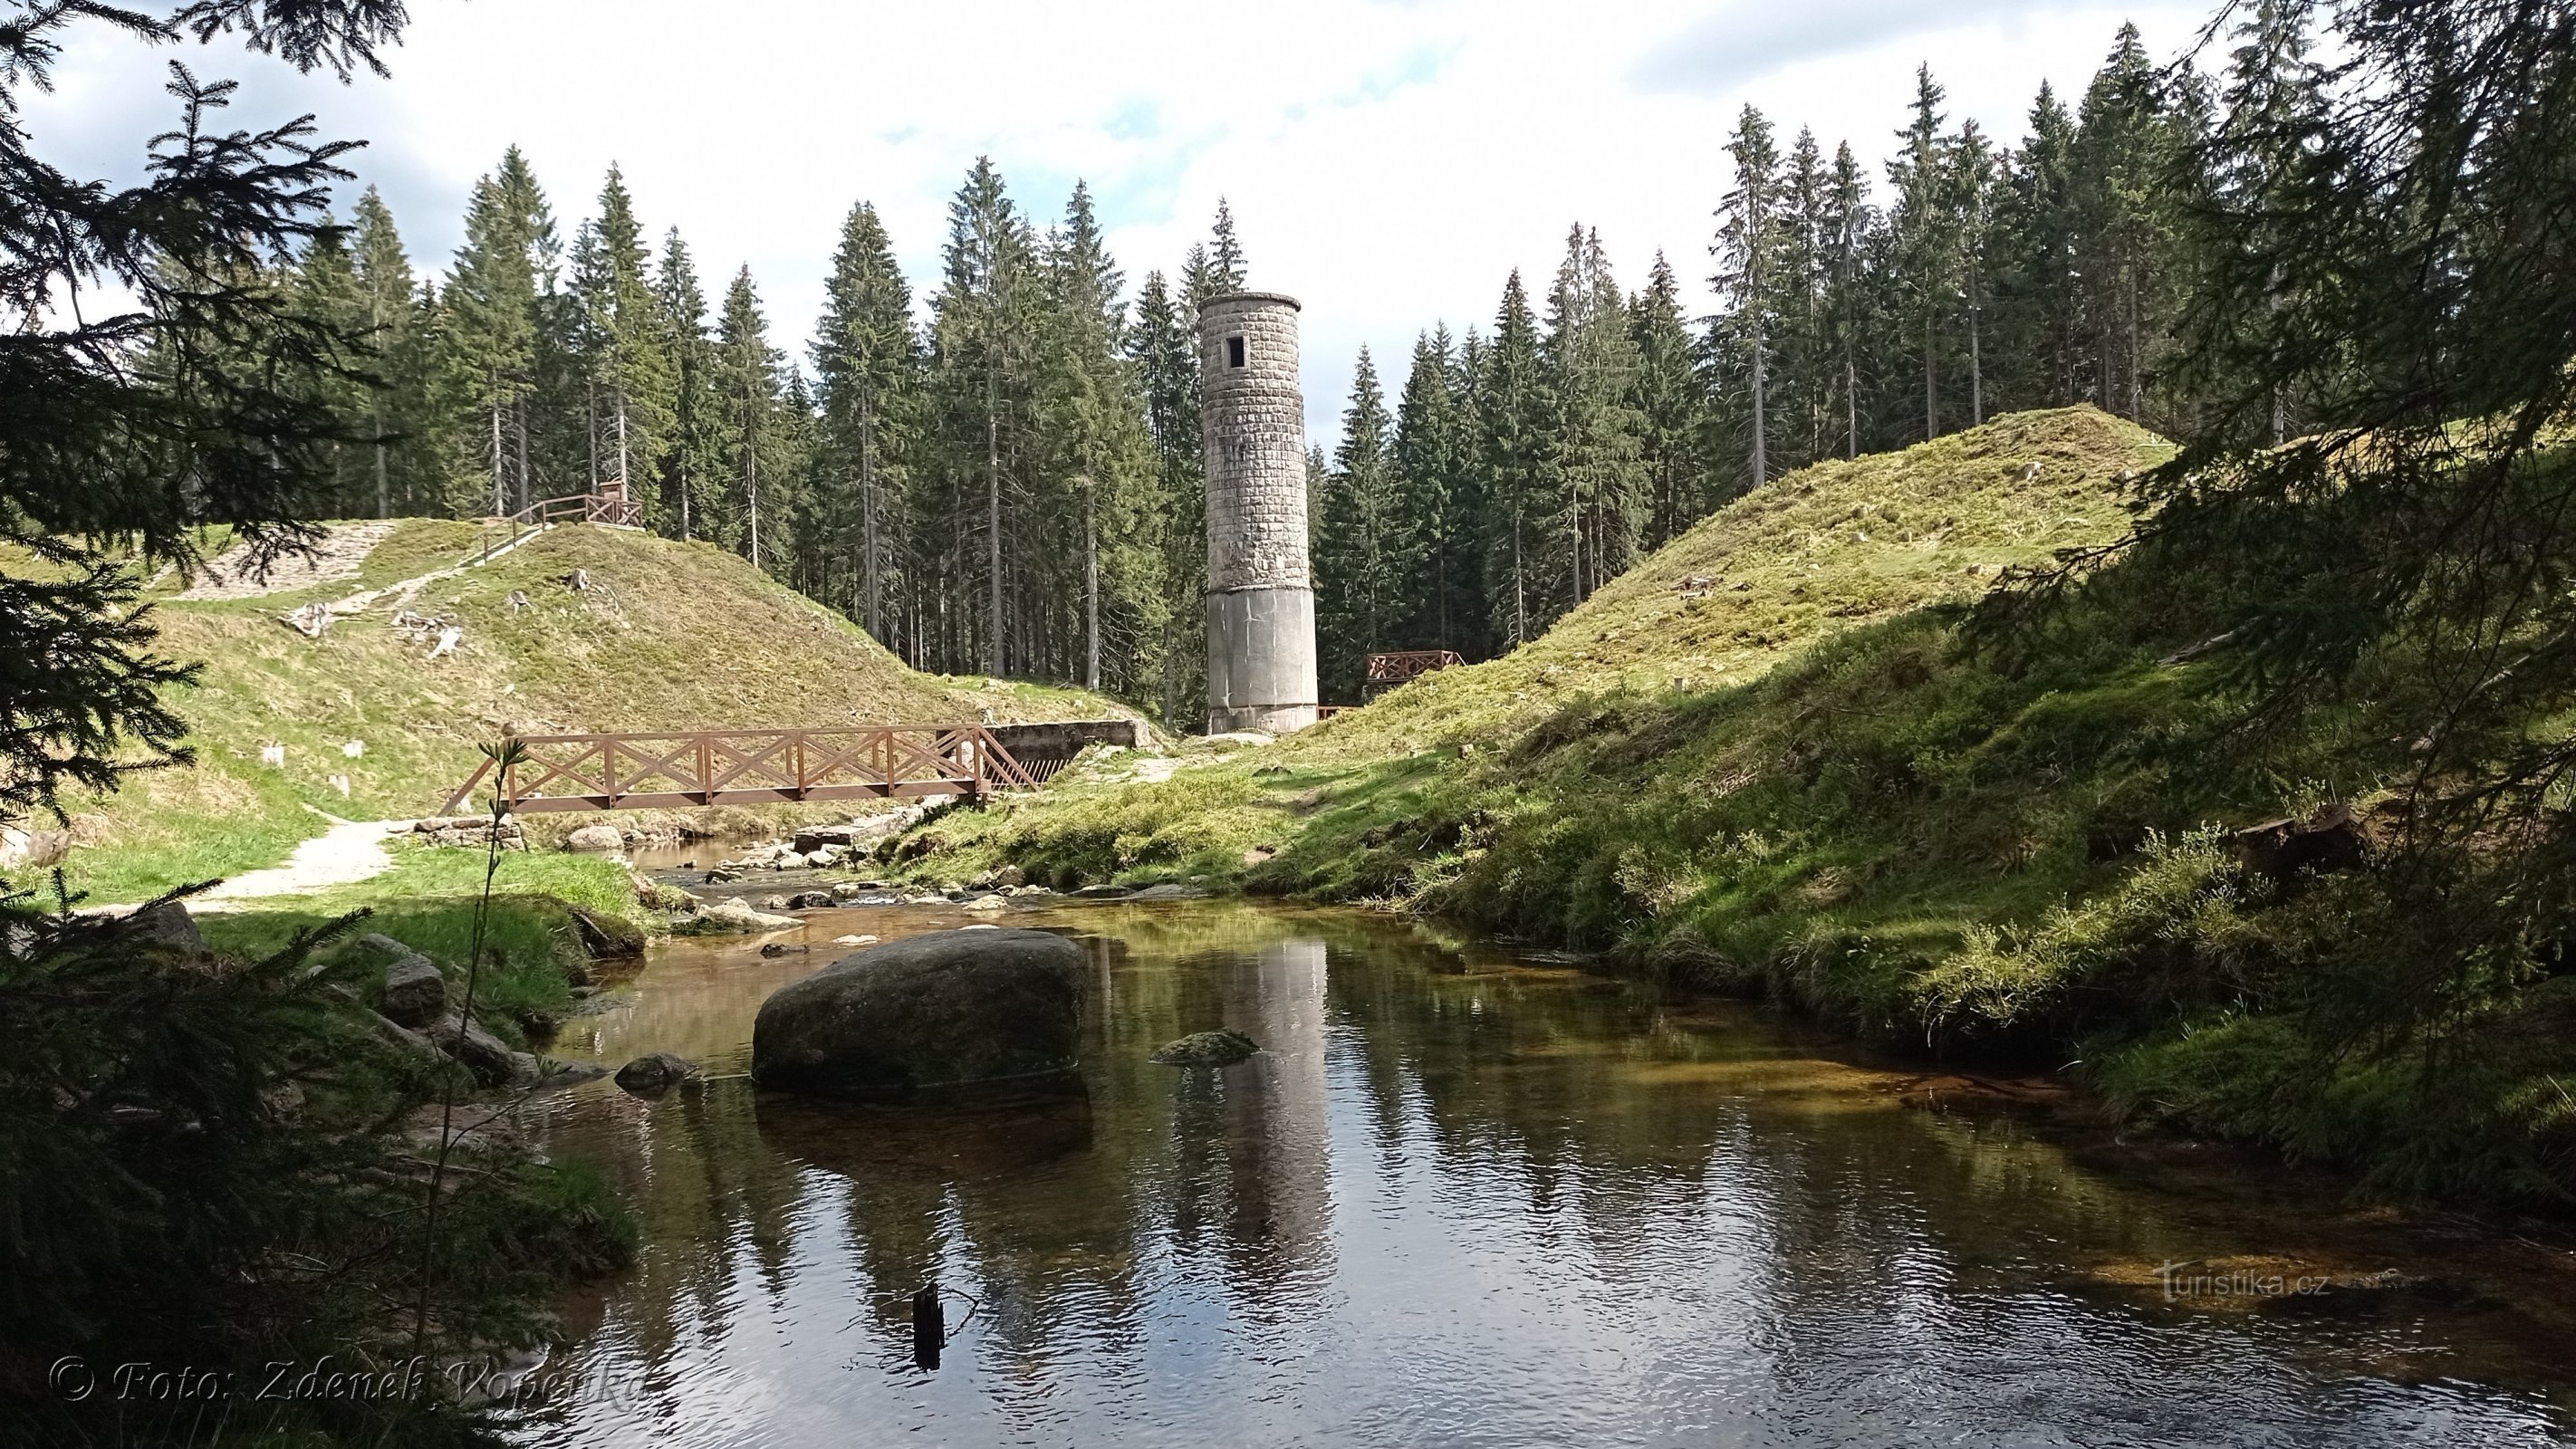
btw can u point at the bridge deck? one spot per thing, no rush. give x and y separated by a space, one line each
744 767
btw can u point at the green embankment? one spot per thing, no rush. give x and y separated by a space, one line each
667 635
534 948
1766 761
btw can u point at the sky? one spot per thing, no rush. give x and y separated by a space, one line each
1388 162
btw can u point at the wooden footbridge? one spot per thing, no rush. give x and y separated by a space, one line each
758 767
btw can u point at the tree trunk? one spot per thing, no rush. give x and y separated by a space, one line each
1976 373
993 515
384 491
2137 351
1091 588
868 516
1851 407
1931 384
1761 422
751 489
500 504
520 415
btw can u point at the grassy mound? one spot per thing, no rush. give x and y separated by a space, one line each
666 635
1376 802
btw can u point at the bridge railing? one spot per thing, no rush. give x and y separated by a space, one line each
1403 666
746 767
611 507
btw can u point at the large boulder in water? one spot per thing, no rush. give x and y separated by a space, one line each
928 1014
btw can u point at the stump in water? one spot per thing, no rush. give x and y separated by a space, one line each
929 1326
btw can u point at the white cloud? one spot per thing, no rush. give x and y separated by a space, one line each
1387 162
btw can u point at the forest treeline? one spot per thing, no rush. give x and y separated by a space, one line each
1008 479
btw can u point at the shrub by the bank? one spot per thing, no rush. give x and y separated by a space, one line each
202 1163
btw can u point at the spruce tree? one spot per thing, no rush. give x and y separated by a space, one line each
491 300
1924 222
1589 452
1359 562
2125 144
2037 285
979 346
1750 255
633 369
695 466
867 364
1094 483
2270 157
323 287
1225 252
400 412
1670 407
1438 518
744 393
1512 409
1972 179
1847 249
1804 373
1163 347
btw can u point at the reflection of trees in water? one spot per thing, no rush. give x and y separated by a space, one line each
1750 1187
695 1171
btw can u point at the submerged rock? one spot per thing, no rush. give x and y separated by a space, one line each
1206 1049
655 1073
732 914
928 1014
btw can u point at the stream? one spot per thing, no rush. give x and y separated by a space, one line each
1467 1198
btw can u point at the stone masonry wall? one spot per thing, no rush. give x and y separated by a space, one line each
1255 439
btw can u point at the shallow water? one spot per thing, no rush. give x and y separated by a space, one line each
1460 1200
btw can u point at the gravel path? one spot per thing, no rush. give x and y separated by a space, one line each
351 850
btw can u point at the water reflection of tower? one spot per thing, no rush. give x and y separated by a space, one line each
1279 1172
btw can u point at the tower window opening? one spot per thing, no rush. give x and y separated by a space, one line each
1234 352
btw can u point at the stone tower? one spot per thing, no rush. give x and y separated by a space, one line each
1261 596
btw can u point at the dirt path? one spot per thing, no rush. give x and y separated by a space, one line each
350 851
336 556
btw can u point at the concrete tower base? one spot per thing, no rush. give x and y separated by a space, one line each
1261 647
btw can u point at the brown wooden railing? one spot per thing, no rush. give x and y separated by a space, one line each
612 507
1386 671
744 767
